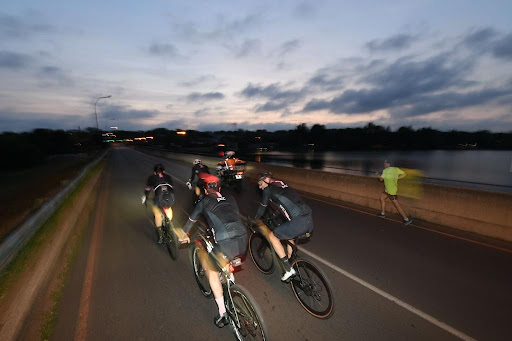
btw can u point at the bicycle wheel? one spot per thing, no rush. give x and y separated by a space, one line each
246 317
200 274
261 253
312 289
171 241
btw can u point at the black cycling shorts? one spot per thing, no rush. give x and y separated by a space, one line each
232 247
295 227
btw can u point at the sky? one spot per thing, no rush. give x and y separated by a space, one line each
223 65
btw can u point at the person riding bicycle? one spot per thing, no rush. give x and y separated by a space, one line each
200 170
229 164
161 183
230 236
293 208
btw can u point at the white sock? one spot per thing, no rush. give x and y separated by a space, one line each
220 304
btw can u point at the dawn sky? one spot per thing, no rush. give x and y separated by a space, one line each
212 65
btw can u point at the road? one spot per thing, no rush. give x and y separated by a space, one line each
390 282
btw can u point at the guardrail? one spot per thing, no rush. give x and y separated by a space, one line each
14 241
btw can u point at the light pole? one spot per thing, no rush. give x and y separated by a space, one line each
95 114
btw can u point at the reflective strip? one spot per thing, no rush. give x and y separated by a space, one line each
192 220
263 205
163 185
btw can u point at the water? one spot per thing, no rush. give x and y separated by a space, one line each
480 169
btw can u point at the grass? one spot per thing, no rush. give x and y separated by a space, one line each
19 263
50 316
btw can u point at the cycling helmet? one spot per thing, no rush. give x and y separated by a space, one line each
230 153
158 168
211 183
264 175
197 161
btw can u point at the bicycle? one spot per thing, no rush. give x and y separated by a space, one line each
309 285
245 315
170 237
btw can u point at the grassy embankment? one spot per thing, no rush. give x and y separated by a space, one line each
29 251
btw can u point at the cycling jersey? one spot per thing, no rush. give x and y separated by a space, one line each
199 168
287 201
221 214
162 185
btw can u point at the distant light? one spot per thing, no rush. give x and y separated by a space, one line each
149 137
258 137
114 128
221 145
181 132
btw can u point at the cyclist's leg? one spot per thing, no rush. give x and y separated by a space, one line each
287 231
158 215
215 284
158 222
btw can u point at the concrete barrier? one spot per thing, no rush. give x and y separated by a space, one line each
485 213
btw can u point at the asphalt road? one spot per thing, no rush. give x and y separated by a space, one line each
390 282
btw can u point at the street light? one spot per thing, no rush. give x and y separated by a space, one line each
95 114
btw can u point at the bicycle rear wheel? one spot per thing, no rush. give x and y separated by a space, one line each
312 289
261 253
246 319
172 241
200 274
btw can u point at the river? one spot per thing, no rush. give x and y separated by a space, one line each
489 170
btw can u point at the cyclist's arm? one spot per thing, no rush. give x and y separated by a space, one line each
193 175
198 209
263 204
149 186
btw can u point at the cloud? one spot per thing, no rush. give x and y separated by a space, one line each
325 81
53 76
396 42
14 60
198 80
289 46
203 97
247 48
11 120
17 27
480 38
166 50
503 47
278 98
304 10
225 29
118 112
274 126
411 87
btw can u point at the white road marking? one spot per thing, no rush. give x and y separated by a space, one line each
393 299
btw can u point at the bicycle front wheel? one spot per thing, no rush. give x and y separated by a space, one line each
246 317
172 242
261 253
200 274
312 289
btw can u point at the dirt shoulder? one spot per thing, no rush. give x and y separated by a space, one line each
28 296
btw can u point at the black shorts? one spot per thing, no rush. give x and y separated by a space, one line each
232 247
391 196
295 227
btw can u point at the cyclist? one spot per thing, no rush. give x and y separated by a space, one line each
230 237
161 183
198 169
294 209
229 163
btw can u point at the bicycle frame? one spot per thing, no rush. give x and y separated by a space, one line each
204 241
